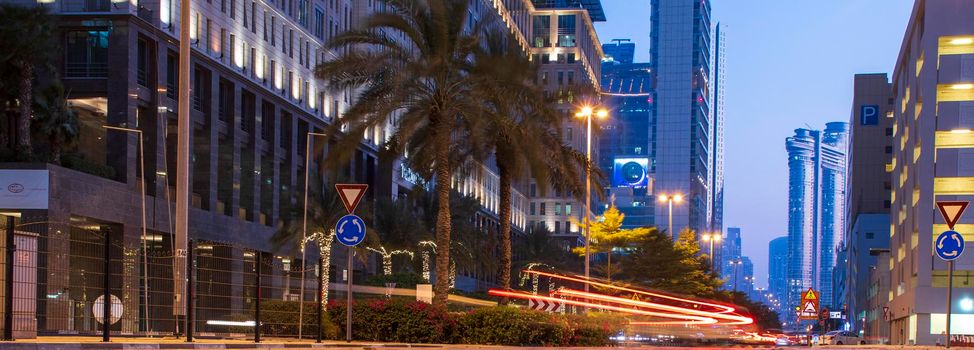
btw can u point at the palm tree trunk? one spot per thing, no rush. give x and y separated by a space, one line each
55 143
26 109
444 174
505 218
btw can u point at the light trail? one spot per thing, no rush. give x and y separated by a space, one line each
680 315
579 279
689 319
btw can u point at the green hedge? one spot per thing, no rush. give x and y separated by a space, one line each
417 322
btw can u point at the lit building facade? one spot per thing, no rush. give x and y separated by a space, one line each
563 40
680 56
730 251
869 187
933 86
626 156
719 93
777 271
816 201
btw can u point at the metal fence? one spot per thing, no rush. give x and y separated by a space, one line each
64 272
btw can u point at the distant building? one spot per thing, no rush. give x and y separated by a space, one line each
868 196
717 134
730 250
777 271
620 51
933 149
816 214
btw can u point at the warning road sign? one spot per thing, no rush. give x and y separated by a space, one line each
351 194
809 305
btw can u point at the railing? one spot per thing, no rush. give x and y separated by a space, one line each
86 70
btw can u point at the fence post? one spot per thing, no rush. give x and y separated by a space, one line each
8 288
321 301
190 290
257 262
106 317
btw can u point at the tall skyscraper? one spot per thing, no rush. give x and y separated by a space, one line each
625 156
730 253
933 149
680 58
717 131
777 272
869 187
816 207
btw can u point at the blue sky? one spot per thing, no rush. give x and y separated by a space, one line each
790 64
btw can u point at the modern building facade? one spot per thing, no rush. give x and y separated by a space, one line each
625 155
564 41
730 250
254 103
933 84
816 201
682 107
621 51
718 95
777 270
869 187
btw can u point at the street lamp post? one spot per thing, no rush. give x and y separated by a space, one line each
587 112
670 199
304 224
711 238
145 250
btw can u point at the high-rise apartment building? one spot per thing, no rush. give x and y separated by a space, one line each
777 270
682 142
621 51
564 41
933 149
718 95
816 207
730 250
868 191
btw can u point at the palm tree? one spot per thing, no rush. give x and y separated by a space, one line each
420 78
25 37
56 120
398 232
521 130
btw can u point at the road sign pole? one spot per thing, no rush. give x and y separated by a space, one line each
950 289
348 301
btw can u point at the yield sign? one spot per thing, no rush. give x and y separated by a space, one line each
952 210
351 194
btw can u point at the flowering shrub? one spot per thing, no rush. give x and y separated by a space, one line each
409 321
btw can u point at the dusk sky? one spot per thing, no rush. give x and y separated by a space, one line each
790 64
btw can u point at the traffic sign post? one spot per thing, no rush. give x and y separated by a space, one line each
808 309
350 231
949 246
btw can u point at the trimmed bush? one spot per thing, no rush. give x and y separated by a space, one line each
396 320
510 326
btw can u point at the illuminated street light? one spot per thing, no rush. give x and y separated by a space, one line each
586 112
670 199
712 238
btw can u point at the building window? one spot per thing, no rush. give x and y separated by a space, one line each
889 149
542 209
557 226
566 31
533 191
86 54
870 235
142 75
568 209
542 31
571 78
233 9
273 25
557 208
532 209
253 17
171 76
319 24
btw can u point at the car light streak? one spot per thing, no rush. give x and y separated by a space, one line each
688 319
698 312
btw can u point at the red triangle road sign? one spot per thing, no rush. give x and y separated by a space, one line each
952 210
351 195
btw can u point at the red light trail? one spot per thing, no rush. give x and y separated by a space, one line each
716 314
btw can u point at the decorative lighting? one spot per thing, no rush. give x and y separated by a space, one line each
962 86
387 257
960 131
962 41
967 304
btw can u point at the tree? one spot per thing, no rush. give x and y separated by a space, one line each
397 230
25 37
418 76
539 246
657 262
56 121
606 234
764 317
